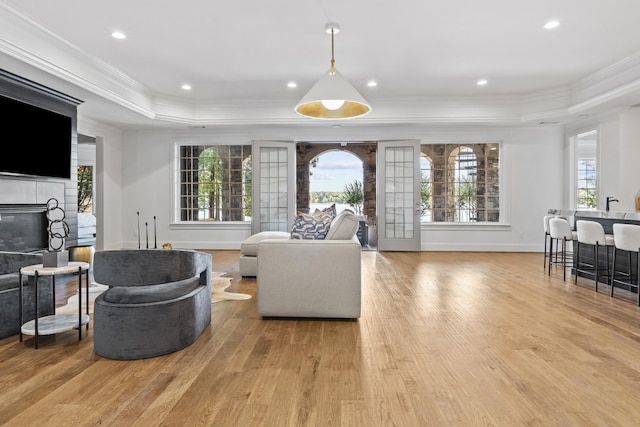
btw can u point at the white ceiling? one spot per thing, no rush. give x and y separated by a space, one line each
239 56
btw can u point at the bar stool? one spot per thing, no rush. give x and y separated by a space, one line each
547 238
626 238
592 233
560 230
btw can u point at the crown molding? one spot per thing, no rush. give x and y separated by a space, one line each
56 42
612 71
609 99
30 43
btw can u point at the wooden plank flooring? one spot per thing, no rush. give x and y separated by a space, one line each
445 339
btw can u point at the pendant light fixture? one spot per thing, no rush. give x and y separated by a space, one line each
332 97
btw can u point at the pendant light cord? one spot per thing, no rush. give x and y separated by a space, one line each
332 71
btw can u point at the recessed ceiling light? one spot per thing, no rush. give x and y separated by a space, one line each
186 87
372 83
482 82
551 24
292 84
118 35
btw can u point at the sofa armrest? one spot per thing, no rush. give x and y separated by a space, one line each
309 278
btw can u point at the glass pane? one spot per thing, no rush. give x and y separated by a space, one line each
399 187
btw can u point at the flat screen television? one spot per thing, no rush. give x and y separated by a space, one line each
42 139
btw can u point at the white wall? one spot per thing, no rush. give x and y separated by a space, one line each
108 182
86 155
629 164
609 151
148 188
618 157
531 176
138 176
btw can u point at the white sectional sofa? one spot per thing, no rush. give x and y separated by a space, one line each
248 264
311 278
340 229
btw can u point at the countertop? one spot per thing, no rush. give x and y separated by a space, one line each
628 215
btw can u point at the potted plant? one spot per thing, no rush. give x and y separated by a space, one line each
354 197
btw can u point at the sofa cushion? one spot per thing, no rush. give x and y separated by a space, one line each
146 294
249 247
343 227
310 227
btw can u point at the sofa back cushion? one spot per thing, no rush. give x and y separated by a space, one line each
130 267
11 262
343 227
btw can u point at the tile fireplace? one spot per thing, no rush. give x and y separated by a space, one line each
23 227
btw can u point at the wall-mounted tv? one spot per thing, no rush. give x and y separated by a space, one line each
40 138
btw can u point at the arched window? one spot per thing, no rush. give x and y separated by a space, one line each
426 191
336 177
464 181
463 178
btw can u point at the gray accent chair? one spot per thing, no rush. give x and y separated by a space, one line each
158 301
10 264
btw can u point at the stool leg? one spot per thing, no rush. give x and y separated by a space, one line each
608 263
546 237
638 296
564 259
550 255
577 255
613 270
596 263
630 269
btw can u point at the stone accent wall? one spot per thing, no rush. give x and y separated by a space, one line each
365 151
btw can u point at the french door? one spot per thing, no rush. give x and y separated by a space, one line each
398 196
273 184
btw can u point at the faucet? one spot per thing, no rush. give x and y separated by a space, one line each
609 200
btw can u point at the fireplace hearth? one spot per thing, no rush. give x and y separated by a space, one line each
23 228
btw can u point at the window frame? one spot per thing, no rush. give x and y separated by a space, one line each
504 187
175 205
575 158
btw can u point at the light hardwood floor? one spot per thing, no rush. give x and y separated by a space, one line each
445 339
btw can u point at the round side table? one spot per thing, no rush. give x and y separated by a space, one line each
55 323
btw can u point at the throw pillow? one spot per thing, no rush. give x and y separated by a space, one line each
329 210
310 227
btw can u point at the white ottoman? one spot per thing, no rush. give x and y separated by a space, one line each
249 251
